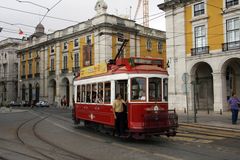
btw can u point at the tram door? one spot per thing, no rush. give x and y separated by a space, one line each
121 87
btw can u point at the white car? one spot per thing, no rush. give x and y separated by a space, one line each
42 104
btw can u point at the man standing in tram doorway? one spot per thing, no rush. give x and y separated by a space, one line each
234 102
118 112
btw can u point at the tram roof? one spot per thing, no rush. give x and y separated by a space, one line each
137 69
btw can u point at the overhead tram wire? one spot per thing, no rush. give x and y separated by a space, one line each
37 14
50 9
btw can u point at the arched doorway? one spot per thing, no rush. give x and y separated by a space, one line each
52 91
30 93
231 70
23 92
65 89
202 84
37 92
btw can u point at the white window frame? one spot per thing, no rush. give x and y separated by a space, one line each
160 46
78 62
65 45
149 44
199 4
225 2
52 49
52 63
89 37
65 61
233 30
76 39
205 10
29 67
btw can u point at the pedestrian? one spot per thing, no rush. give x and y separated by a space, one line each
118 112
61 102
233 103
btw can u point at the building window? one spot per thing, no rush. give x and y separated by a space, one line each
23 56
233 33
23 69
37 67
52 64
52 49
200 37
160 46
76 60
198 9
76 43
30 67
65 45
65 60
120 37
30 55
89 40
149 44
230 3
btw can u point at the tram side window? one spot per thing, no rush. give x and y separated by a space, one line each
155 89
165 89
94 93
78 93
83 93
100 93
107 93
138 89
88 96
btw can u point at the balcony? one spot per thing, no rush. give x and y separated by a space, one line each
231 46
65 70
52 72
200 51
23 77
37 75
75 69
231 3
30 75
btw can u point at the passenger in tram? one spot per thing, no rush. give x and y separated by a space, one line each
88 98
118 112
142 95
99 99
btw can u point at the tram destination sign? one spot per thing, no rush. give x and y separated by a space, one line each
93 70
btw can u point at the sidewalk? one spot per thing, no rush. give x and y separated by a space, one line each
212 119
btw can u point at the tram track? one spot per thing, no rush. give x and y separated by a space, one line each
55 150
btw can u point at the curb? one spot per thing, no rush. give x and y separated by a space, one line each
200 125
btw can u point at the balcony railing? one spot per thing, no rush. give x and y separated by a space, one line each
37 75
52 72
65 70
29 75
200 51
231 46
231 3
75 69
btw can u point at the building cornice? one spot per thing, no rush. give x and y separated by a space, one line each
172 4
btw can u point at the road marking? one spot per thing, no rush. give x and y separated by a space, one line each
146 152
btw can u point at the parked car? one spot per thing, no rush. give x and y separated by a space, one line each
42 104
14 103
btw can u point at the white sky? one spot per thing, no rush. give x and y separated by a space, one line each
75 10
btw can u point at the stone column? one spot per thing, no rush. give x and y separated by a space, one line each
218 88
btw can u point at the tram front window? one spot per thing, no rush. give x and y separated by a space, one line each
165 89
138 89
155 89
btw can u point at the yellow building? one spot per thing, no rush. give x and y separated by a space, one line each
50 62
203 51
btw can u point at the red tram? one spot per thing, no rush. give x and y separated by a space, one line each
143 85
